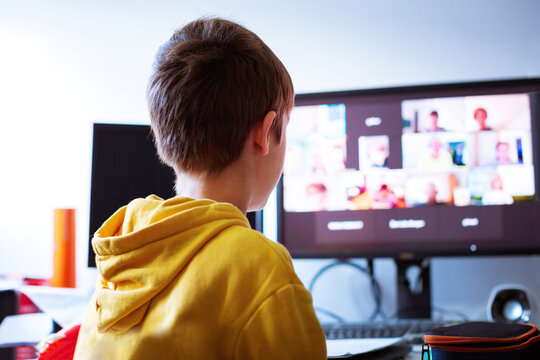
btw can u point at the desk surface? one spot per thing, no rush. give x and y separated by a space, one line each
413 356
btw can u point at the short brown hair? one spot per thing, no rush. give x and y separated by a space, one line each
212 82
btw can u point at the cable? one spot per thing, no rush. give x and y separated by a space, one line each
376 290
331 314
375 287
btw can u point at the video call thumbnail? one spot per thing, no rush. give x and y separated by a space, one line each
455 151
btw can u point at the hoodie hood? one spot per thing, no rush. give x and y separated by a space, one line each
142 248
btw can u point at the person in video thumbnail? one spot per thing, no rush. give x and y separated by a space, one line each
502 153
434 122
457 150
431 194
480 115
438 159
329 159
384 198
359 198
316 195
378 154
496 195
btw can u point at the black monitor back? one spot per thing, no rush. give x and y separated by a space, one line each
125 166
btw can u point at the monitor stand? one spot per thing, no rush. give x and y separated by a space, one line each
413 289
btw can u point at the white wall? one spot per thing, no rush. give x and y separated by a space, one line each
66 64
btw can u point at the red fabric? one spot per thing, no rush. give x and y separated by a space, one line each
63 348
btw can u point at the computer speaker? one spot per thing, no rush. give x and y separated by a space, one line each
509 304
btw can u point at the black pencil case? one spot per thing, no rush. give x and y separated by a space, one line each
482 341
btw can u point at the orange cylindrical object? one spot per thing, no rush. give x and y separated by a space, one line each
64 248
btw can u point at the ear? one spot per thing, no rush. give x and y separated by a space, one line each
261 133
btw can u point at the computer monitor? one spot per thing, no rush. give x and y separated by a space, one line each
125 166
413 172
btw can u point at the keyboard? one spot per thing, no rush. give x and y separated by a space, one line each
412 330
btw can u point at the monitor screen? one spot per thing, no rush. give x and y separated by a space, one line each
125 166
412 172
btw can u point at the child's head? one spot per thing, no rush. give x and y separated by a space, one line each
212 83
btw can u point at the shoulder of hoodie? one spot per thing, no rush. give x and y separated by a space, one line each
262 251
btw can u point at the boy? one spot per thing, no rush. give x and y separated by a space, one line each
186 277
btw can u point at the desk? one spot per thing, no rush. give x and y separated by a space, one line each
372 349
414 356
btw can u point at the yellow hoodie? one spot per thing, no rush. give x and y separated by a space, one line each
188 279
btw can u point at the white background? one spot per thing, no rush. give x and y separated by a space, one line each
67 64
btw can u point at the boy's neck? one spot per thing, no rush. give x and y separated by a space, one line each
230 186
